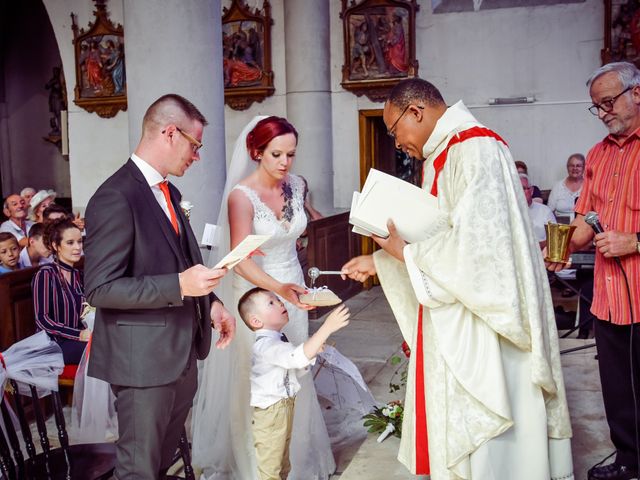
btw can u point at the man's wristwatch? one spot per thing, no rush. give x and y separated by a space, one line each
638 242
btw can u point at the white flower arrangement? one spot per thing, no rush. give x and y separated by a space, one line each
186 207
385 420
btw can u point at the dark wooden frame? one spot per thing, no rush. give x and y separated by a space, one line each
614 44
242 97
377 89
105 106
366 150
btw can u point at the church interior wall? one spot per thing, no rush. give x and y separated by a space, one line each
180 53
547 52
29 54
97 146
544 51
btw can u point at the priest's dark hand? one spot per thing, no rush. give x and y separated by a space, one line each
394 244
359 268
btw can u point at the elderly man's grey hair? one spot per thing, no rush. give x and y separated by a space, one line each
27 190
628 73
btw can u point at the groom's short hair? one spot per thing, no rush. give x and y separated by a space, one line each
247 304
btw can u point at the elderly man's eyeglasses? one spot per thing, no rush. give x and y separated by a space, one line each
195 144
607 105
391 131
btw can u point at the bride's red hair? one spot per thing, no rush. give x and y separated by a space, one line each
266 130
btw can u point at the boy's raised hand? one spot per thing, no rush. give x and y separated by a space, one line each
337 319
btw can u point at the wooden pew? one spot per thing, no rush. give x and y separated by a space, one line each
17 319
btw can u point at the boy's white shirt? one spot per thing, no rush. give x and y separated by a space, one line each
271 360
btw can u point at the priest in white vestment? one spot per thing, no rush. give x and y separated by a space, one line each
485 394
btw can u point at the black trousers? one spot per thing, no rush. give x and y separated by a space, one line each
150 422
614 357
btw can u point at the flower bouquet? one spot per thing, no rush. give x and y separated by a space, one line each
385 420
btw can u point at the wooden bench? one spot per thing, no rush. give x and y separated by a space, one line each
17 318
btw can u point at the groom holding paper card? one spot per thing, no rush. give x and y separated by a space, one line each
154 301
485 395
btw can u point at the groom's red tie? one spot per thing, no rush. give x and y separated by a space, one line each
164 186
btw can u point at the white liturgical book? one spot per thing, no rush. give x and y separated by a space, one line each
413 210
242 251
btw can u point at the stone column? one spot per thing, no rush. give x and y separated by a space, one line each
308 80
175 46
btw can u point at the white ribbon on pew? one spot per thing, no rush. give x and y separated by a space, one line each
36 360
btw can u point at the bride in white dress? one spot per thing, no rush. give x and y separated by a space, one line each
261 196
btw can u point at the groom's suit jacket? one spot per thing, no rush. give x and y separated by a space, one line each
144 331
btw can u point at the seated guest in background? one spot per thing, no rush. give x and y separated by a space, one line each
39 202
27 193
54 212
15 209
537 194
9 253
564 194
36 252
539 213
58 291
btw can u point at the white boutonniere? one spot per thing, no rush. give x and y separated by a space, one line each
186 207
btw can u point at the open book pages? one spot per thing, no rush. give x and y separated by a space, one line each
242 251
413 210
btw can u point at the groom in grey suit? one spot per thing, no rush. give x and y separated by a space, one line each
154 300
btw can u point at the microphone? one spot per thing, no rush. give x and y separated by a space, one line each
593 221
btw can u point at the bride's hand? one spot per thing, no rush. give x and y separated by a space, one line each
290 292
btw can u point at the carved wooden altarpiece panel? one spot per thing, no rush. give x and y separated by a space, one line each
246 54
100 71
621 31
379 45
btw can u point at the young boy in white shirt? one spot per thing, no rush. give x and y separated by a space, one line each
275 367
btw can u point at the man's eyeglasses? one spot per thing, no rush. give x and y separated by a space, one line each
195 144
607 105
391 132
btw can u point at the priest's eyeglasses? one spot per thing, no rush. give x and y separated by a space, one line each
195 144
607 105
391 131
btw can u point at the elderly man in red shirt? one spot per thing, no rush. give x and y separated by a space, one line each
612 189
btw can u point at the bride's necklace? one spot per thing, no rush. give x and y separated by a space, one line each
287 208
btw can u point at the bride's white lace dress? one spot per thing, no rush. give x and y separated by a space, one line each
233 457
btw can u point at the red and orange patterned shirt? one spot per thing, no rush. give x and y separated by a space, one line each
612 189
